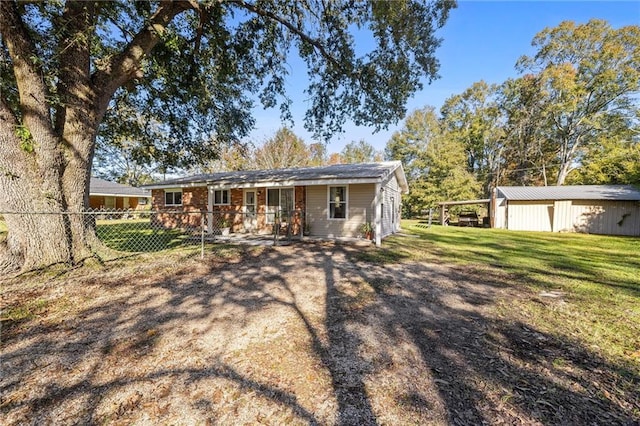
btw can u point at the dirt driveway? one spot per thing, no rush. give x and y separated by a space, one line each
304 334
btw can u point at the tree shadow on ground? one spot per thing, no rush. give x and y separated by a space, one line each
490 370
213 341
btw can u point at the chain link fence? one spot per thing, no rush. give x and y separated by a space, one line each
126 232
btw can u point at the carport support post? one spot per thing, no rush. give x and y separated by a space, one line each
492 208
443 211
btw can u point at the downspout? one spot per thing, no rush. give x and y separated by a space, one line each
377 215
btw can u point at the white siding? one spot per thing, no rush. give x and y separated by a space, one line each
562 219
530 215
500 220
359 211
390 206
593 217
606 217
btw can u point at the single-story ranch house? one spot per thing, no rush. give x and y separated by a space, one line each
105 195
329 201
593 209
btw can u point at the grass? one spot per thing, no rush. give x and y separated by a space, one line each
132 235
27 311
138 235
595 277
444 326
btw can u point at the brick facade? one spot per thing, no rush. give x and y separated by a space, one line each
195 202
100 202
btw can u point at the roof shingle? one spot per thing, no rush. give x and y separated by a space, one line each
104 187
333 172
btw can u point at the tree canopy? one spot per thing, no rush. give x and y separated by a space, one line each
189 72
359 152
573 116
435 163
588 73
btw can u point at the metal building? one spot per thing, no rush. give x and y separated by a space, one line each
593 209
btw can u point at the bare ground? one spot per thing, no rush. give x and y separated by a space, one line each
304 334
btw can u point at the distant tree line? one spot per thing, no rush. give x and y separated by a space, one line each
120 160
572 117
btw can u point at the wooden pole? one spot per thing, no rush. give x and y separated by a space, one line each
492 209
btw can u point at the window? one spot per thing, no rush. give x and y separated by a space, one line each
221 197
173 197
142 201
279 201
337 202
110 203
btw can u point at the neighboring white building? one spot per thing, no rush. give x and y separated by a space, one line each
592 209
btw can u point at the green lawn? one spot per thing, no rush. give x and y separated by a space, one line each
138 235
597 276
133 235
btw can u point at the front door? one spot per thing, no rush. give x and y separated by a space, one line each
250 219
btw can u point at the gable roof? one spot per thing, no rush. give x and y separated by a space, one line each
104 187
570 192
323 175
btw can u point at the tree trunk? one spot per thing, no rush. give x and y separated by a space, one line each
47 148
43 215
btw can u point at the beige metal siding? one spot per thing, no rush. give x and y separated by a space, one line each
530 215
500 220
390 201
606 217
359 211
593 217
562 219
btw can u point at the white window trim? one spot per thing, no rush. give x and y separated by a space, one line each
268 219
346 202
228 191
173 190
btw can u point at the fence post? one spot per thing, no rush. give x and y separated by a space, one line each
300 224
202 236
276 224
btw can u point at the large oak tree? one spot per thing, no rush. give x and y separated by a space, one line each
587 74
195 68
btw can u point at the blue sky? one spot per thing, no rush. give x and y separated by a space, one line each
482 40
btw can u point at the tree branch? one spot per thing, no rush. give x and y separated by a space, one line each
31 87
127 65
11 160
304 36
74 50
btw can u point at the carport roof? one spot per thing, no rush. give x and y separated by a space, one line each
570 192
